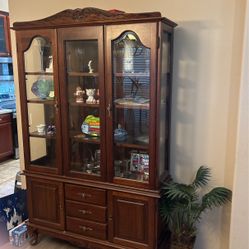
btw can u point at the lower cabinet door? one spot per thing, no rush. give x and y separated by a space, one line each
131 220
45 202
6 143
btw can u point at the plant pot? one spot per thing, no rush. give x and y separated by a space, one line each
182 244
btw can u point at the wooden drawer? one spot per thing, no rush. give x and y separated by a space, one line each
4 118
87 228
85 194
86 211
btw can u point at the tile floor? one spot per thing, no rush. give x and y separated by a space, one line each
8 170
45 243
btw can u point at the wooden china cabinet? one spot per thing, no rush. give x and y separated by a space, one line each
95 92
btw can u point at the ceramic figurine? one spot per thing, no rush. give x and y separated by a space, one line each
90 66
90 96
79 95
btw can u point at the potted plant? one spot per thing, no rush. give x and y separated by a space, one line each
182 205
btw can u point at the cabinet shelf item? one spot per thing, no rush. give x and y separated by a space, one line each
94 175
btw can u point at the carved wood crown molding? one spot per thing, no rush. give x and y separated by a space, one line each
88 16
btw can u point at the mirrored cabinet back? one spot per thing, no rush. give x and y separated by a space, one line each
95 90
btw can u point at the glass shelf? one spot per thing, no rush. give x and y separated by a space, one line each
83 74
39 73
133 106
79 168
41 101
130 142
42 135
82 138
84 105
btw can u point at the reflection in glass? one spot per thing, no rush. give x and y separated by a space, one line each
43 152
2 36
131 101
38 58
41 116
41 109
40 87
83 101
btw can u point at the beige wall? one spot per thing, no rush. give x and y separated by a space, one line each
207 65
240 207
4 5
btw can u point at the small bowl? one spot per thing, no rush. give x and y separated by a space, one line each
41 128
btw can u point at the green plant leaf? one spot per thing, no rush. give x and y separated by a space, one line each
179 191
202 177
181 206
216 197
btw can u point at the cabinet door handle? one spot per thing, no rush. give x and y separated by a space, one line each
0 119
109 109
85 229
82 211
56 105
84 195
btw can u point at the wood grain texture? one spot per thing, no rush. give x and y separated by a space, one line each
6 141
90 16
94 212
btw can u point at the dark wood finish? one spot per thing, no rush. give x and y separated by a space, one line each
131 220
147 34
86 211
5 118
46 203
91 211
91 16
6 26
24 40
33 236
73 34
89 195
6 141
87 228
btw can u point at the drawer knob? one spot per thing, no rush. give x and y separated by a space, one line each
82 211
85 229
84 195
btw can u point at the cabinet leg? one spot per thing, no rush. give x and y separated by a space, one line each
33 236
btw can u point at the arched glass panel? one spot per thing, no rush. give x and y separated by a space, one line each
41 106
131 102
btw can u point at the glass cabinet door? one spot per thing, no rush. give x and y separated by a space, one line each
42 108
82 89
130 107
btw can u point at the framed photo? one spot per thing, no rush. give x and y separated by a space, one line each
139 162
